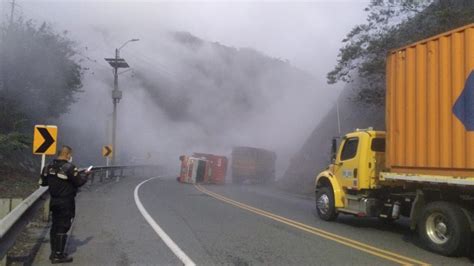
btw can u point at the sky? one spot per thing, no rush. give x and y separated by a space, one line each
306 34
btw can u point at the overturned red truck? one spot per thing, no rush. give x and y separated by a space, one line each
203 168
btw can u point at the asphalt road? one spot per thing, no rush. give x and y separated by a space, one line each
232 225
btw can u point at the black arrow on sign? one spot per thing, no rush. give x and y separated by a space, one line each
108 151
48 140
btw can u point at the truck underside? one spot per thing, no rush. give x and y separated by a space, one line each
443 214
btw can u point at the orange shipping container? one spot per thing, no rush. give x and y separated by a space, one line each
430 106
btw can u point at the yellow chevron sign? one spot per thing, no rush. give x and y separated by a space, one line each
45 139
107 151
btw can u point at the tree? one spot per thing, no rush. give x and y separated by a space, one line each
39 78
391 24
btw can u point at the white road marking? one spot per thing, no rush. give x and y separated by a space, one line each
168 241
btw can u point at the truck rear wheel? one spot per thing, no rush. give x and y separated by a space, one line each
325 204
444 228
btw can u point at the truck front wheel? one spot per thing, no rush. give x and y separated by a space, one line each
325 204
444 228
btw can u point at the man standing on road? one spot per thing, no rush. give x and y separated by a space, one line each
63 179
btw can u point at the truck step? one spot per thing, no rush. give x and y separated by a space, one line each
354 212
354 197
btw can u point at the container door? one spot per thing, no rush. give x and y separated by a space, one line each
184 169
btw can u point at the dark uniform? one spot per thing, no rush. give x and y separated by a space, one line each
63 179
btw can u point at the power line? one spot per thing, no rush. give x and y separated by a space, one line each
34 13
154 63
159 68
168 75
92 60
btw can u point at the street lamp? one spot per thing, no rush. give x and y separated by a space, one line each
132 40
117 63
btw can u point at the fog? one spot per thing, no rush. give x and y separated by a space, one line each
255 77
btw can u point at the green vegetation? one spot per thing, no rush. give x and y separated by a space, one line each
38 80
391 24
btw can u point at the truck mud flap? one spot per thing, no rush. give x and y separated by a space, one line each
418 205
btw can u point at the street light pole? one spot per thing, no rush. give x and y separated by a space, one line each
116 96
116 63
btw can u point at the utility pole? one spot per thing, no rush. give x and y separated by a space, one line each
338 118
12 12
116 96
116 63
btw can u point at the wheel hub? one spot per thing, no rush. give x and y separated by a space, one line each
441 228
323 204
437 228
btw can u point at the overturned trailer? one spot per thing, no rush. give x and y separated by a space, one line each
253 165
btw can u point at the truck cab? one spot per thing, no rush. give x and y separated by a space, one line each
353 174
360 159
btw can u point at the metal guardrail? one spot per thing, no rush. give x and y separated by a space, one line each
108 172
15 221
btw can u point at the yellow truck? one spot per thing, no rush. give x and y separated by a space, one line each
422 167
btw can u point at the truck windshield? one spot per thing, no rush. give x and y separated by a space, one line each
378 145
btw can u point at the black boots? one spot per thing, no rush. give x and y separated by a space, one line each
58 244
52 242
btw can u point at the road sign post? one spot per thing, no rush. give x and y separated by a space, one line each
44 141
107 162
43 162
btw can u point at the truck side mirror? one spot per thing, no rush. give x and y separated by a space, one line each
333 150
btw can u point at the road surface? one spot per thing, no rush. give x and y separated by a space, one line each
233 225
